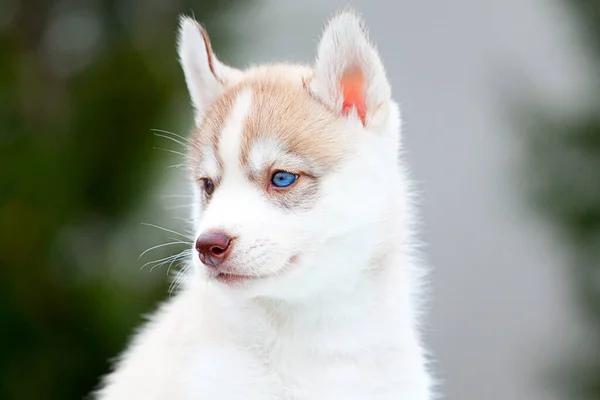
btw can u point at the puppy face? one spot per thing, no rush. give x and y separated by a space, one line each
290 165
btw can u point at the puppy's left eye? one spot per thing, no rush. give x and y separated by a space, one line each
209 186
283 179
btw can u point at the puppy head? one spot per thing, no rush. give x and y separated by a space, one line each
293 168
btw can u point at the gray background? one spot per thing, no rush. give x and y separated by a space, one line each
502 312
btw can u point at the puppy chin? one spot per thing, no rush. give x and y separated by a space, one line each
277 282
294 284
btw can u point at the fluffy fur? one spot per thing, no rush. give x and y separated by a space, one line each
325 304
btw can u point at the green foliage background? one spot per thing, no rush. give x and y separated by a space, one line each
81 85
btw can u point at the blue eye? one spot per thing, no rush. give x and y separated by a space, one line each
283 179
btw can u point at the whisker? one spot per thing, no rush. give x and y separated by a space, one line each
176 196
188 243
174 283
179 206
186 220
170 151
172 133
171 264
185 145
176 261
172 259
168 230
163 263
162 245
179 277
163 260
182 167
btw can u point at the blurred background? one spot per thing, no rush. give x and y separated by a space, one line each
501 106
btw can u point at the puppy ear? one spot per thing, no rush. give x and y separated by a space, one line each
205 75
349 76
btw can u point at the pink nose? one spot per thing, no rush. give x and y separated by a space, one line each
213 247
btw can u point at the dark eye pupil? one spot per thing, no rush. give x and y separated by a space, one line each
209 186
283 179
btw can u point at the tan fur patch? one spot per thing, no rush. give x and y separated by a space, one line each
208 133
282 110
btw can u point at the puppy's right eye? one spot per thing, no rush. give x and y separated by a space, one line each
209 186
283 179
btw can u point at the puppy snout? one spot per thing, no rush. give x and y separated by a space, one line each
213 248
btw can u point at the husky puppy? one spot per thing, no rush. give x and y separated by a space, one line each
303 283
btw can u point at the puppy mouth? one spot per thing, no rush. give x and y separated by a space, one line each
232 278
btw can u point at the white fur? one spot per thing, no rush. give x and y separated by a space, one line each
209 162
204 85
340 323
345 45
231 136
264 151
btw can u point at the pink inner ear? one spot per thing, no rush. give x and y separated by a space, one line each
352 85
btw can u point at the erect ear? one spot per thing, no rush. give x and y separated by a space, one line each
349 76
205 75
